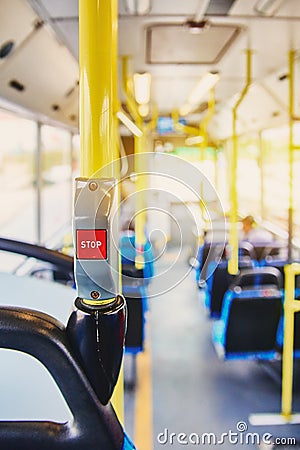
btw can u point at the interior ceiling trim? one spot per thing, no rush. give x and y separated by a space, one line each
219 7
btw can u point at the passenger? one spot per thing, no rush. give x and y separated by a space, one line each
252 233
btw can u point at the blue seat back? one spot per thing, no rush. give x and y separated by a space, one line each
258 277
128 254
208 252
218 283
250 316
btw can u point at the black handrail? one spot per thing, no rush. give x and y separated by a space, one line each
53 257
94 426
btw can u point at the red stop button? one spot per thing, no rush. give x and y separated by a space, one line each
92 244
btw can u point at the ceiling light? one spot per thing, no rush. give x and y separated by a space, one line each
267 7
144 110
185 109
138 7
207 82
141 86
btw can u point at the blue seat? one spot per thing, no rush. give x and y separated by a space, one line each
212 253
278 263
269 250
250 316
134 283
137 306
209 251
217 284
128 254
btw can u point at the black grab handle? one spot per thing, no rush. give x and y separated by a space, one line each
53 257
94 426
62 265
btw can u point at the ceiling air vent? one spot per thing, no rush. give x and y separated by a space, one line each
6 49
176 44
15 84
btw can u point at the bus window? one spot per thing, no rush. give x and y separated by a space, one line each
17 180
56 196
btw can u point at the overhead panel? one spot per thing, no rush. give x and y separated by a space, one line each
175 44
54 84
62 16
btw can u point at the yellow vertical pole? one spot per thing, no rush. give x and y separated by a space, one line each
115 100
127 88
139 168
216 175
291 151
97 66
288 344
140 205
118 395
207 118
203 145
261 162
233 263
95 62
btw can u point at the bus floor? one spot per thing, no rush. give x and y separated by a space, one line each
192 392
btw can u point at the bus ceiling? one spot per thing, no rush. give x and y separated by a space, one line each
176 42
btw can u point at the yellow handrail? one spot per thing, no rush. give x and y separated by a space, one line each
208 116
261 163
126 82
97 42
233 263
181 127
291 306
95 86
139 164
203 133
140 204
291 151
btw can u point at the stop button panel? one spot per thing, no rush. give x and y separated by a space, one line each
95 236
91 244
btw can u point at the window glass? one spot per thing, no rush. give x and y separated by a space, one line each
276 175
56 195
17 180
